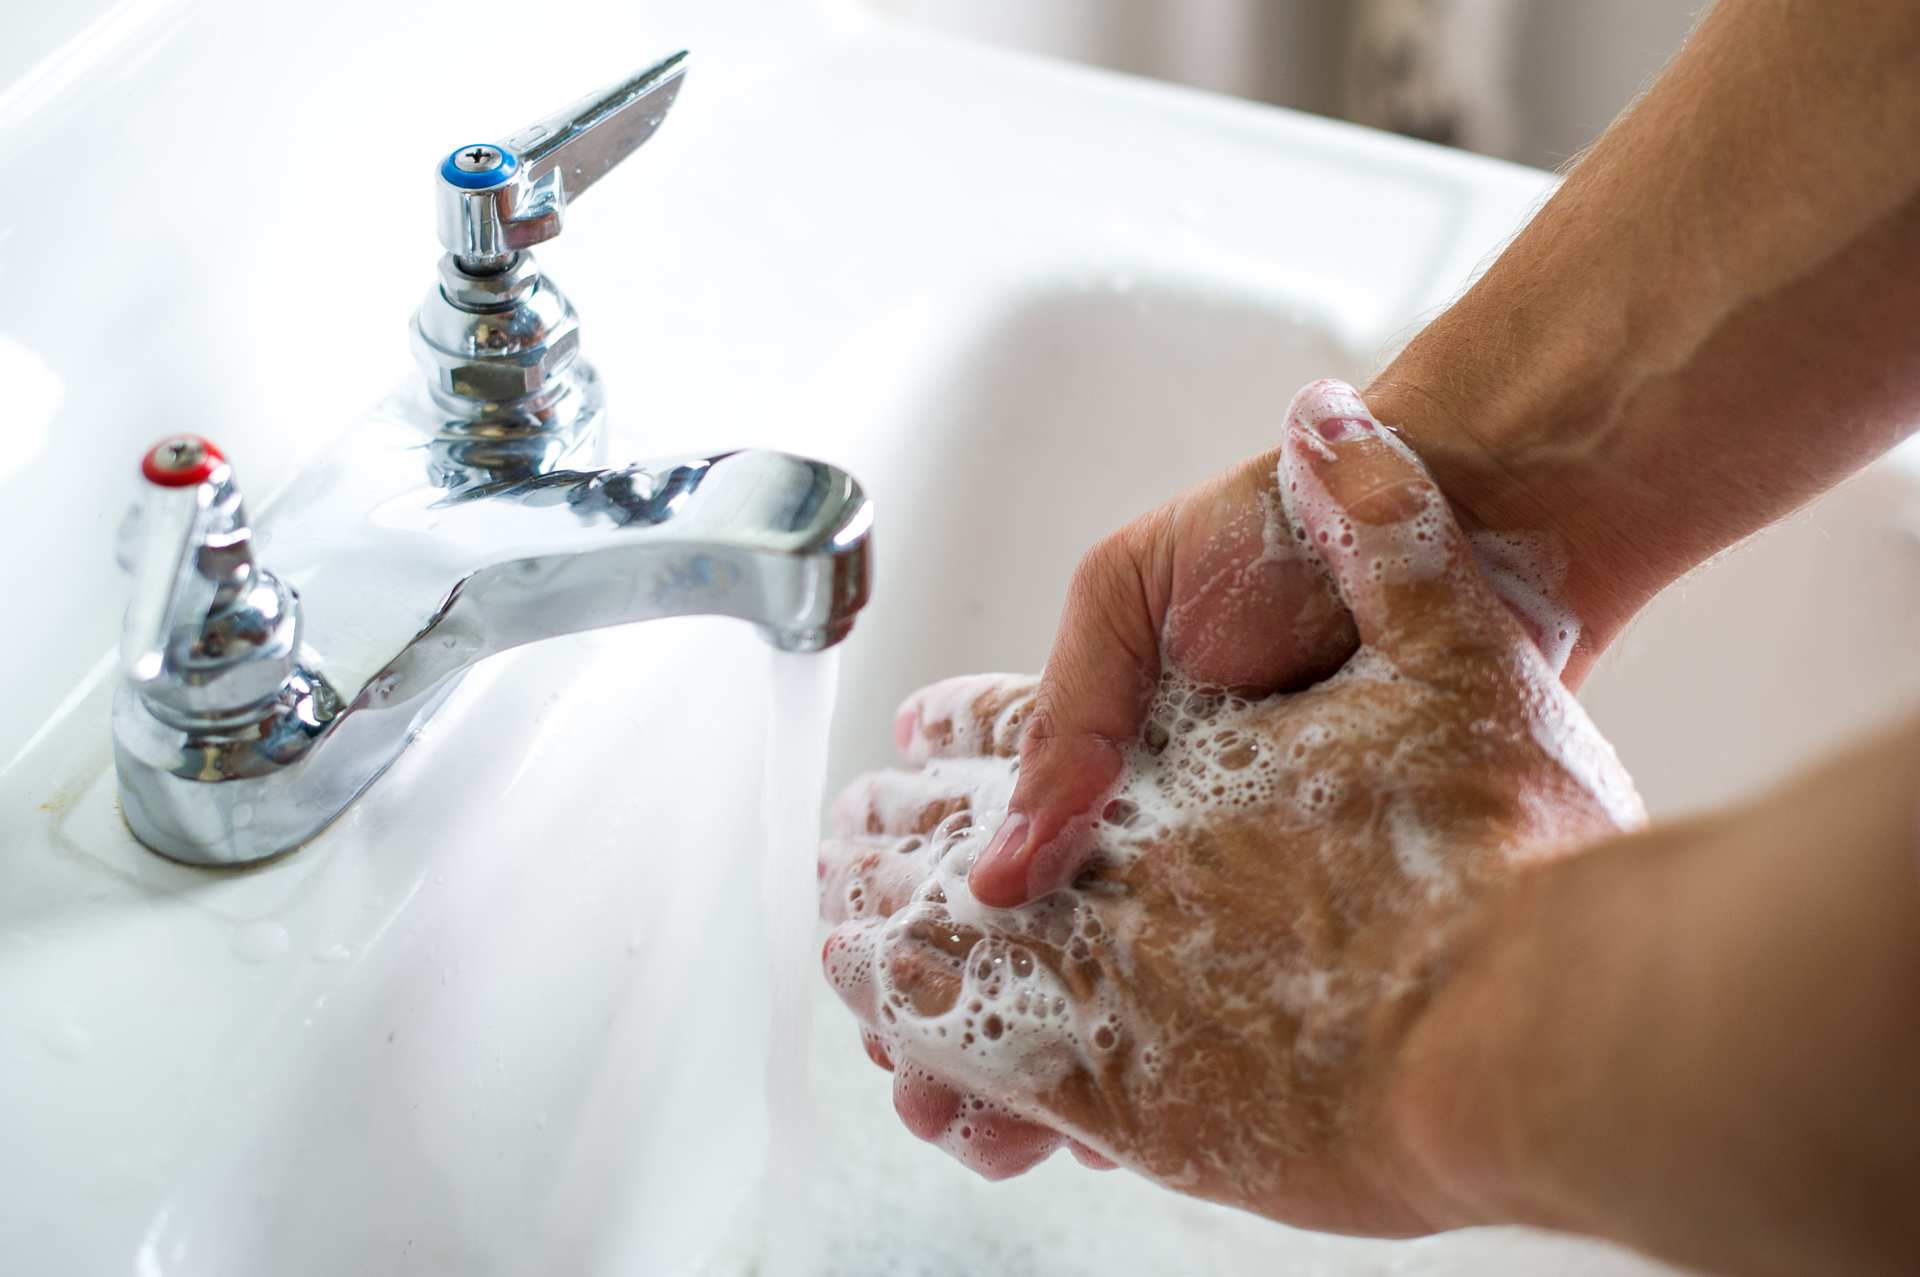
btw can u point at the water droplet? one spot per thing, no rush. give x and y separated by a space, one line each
332 953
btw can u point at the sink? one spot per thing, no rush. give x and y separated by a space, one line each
510 1012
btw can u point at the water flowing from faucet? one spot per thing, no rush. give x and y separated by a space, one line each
800 711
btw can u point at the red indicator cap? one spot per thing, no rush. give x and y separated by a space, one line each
181 461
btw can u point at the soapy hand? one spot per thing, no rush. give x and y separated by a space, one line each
1269 886
1212 582
1216 584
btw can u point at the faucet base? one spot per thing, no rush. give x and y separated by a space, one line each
228 821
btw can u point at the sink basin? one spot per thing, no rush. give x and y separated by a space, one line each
510 1013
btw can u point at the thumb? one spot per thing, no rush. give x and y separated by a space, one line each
1364 503
1209 582
1092 700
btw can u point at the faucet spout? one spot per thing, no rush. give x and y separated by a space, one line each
773 539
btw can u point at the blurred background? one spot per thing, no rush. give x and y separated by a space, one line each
1527 80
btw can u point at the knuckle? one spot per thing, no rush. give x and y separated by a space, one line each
1114 557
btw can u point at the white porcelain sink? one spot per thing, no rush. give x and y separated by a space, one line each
508 1015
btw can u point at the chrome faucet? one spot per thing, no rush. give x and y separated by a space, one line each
467 516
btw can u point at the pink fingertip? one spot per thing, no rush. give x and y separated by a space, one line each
1343 429
1333 411
925 1107
1090 1158
905 719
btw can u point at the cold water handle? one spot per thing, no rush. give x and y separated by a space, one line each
496 198
498 341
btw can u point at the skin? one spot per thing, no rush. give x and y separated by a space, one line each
1711 322
1699 1040
1266 997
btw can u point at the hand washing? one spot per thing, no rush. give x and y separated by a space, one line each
1299 881
1220 997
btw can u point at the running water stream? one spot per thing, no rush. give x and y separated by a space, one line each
800 711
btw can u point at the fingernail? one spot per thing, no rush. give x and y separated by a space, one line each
1007 843
1333 411
1344 429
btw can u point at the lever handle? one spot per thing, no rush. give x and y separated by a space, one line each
209 632
495 199
177 510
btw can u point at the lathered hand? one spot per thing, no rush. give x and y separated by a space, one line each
1212 581
1218 999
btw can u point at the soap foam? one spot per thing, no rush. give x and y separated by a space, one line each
1527 571
1028 1004
973 715
960 991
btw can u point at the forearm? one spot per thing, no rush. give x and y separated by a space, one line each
1702 1041
1709 323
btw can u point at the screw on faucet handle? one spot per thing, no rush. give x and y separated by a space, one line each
495 199
181 461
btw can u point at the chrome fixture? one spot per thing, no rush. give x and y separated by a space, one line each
498 342
464 518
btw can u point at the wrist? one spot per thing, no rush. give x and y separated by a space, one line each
1450 1139
1672 1040
1478 1080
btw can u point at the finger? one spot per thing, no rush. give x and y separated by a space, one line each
980 1134
847 958
1369 509
923 976
1213 582
895 804
871 877
1250 609
1090 1158
1092 701
925 965
888 831
926 1105
975 716
911 967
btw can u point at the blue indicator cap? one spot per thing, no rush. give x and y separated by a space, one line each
479 167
